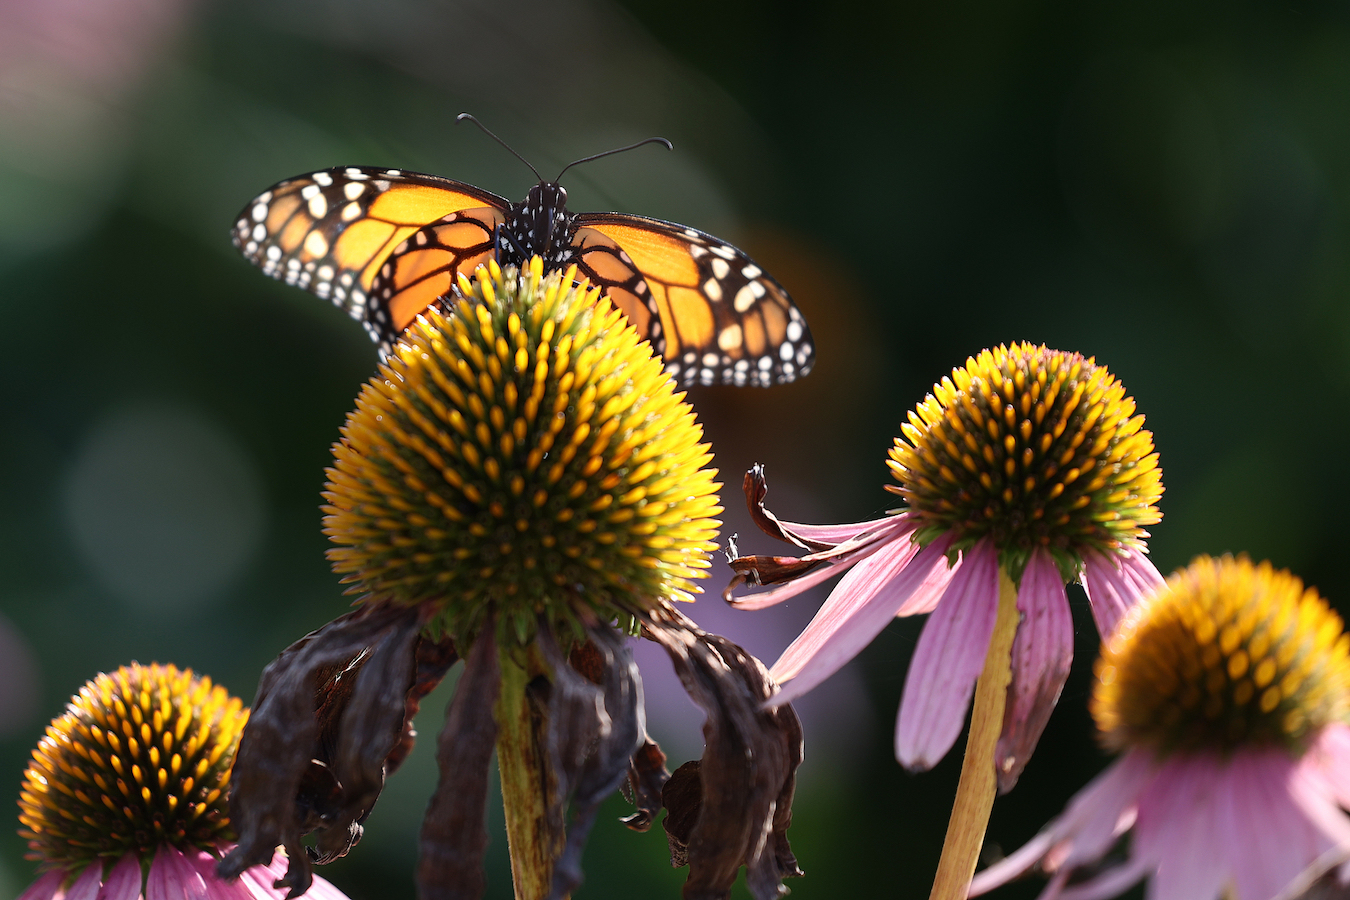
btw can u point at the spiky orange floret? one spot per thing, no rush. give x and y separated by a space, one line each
1030 447
140 758
1227 653
524 451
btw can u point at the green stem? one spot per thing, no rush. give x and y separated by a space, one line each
527 783
979 782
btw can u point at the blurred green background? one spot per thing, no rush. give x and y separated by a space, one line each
1164 186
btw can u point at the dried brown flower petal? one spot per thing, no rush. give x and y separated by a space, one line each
747 775
454 837
300 769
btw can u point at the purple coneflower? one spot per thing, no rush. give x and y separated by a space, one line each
1027 466
1228 692
522 488
135 770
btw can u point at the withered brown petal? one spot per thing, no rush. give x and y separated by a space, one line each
454 834
591 759
756 487
282 737
647 776
748 771
434 659
766 570
682 796
372 725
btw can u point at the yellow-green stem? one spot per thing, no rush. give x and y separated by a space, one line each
527 784
979 782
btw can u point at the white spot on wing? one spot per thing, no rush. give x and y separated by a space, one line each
322 178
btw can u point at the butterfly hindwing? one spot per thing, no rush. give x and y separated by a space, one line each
717 318
422 268
330 232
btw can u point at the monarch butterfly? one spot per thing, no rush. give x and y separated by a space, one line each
385 244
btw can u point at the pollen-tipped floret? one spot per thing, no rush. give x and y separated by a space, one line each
1030 447
1228 653
524 454
140 758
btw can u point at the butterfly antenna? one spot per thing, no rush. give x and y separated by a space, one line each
650 140
466 117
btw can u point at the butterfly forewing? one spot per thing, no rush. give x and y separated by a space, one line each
720 319
330 232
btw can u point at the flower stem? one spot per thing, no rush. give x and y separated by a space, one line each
527 783
978 784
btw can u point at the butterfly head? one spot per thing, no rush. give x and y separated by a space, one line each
540 225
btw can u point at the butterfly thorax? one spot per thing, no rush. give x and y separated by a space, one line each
540 225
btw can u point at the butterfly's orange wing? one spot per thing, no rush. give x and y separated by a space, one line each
422 268
715 316
330 232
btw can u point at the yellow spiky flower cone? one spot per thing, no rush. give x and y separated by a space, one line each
140 759
1031 448
1228 653
522 454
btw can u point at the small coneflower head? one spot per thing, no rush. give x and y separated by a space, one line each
1227 691
1030 448
522 454
140 758
1227 654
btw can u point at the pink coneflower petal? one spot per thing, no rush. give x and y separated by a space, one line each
1111 883
1180 832
860 607
1331 755
44 888
1116 583
86 886
948 660
1256 790
124 881
838 534
1088 827
780 592
204 865
1042 654
172 877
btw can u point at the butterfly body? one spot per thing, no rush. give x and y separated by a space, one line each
386 244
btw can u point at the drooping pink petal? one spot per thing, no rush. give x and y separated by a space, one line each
1330 754
1115 583
1179 830
1256 790
44 888
1110 883
858 609
124 881
204 864
1099 812
86 886
838 534
947 661
1014 865
927 595
1088 827
173 878
1041 657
